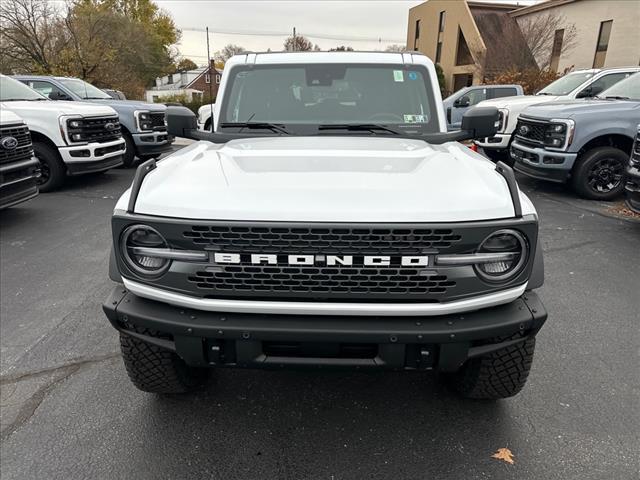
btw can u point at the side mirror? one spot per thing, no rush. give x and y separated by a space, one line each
589 92
181 122
462 102
480 122
56 95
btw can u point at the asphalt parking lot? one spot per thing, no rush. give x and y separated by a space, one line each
69 411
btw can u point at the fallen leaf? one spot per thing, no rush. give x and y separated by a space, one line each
504 454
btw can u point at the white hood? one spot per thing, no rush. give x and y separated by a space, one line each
25 108
326 179
520 102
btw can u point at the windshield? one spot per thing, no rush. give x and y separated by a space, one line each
83 89
12 90
566 84
328 95
629 88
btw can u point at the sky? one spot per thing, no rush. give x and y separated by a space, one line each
361 24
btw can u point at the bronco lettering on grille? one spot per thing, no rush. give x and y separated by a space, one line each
331 260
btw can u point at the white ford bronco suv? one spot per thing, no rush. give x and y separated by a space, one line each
69 138
328 220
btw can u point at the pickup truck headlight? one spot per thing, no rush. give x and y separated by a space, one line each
143 121
559 134
71 129
503 119
136 247
513 245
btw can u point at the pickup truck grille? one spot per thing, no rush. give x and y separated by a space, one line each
22 151
530 131
157 121
93 129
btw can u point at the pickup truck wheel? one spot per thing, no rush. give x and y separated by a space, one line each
52 169
599 174
157 370
130 153
501 374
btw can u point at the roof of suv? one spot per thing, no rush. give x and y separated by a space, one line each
328 57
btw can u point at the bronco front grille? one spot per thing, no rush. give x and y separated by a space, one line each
23 150
343 240
322 280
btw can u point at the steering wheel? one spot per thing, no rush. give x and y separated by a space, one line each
386 117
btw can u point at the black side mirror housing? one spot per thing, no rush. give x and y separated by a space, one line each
480 122
55 95
462 102
181 122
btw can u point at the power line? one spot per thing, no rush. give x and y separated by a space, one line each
323 36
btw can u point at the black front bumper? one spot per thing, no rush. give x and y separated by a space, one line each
148 144
80 168
540 173
18 182
248 340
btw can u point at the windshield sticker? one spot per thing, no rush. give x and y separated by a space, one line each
415 119
398 75
412 76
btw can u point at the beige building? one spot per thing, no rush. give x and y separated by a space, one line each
607 32
475 40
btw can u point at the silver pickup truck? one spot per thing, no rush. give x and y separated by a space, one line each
584 142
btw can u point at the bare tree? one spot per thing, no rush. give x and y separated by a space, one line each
227 52
539 32
299 43
30 32
341 48
395 47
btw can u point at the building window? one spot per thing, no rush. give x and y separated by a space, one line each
207 78
441 22
556 50
438 52
218 78
170 79
417 35
463 54
603 44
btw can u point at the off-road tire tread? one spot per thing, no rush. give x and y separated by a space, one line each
157 370
57 168
500 374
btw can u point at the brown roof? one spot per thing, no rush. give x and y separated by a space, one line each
506 46
540 6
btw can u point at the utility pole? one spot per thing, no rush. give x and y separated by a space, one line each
294 39
211 77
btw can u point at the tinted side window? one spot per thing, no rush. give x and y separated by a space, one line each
45 88
476 95
502 92
607 81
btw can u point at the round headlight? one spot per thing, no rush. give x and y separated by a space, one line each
136 245
510 242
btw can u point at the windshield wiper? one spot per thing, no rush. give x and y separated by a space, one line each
96 98
616 97
257 125
359 127
544 93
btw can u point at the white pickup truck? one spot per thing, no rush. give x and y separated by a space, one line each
578 84
19 169
328 221
69 138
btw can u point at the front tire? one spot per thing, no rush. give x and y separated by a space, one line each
129 156
500 374
52 169
157 370
599 174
